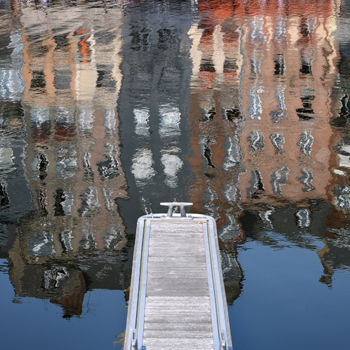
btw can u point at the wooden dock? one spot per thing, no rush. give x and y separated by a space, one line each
177 296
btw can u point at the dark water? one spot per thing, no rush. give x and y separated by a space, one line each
108 108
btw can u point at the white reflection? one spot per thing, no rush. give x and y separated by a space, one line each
88 240
110 121
344 161
142 166
230 193
231 230
6 159
66 162
41 244
255 66
54 276
141 117
172 164
85 119
278 141
341 195
306 179
233 152
280 31
278 178
257 29
303 216
305 142
11 82
256 185
112 238
210 198
66 238
107 195
67 203
339 172
64 115
281 98
90 205
39 116
255 109
170 118
265 217
256 140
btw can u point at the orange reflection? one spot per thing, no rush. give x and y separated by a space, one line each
84 45
265 76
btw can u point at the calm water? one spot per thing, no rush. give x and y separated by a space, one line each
108 108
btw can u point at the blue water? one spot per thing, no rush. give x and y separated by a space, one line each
284 306
37 324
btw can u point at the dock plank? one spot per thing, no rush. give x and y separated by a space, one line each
179 344
177 309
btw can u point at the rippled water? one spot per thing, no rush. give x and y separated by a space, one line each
108 108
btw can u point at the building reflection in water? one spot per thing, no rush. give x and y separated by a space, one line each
266 157
153 105
71 158
235 106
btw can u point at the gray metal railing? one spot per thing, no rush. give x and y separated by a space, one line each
218 288
137 311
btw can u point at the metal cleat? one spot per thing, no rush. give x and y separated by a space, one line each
173 205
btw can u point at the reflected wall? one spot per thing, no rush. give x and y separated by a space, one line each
70 161
263 107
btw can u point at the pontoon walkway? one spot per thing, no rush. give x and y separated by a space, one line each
177 296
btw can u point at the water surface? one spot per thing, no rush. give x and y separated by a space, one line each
108 108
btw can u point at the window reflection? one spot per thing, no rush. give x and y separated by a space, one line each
305 142
306 179
278 141
142 166
256 140
279 178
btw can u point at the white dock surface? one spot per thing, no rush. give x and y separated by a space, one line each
175 299
177 309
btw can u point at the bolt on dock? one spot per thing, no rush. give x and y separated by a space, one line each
177 296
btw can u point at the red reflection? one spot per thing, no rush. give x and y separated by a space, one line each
221 10
64 134
84 45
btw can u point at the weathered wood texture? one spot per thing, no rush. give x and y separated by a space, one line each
177 309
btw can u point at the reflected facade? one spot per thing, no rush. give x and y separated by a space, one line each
71 159
153 105
262 114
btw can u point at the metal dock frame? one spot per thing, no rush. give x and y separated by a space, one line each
136 312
